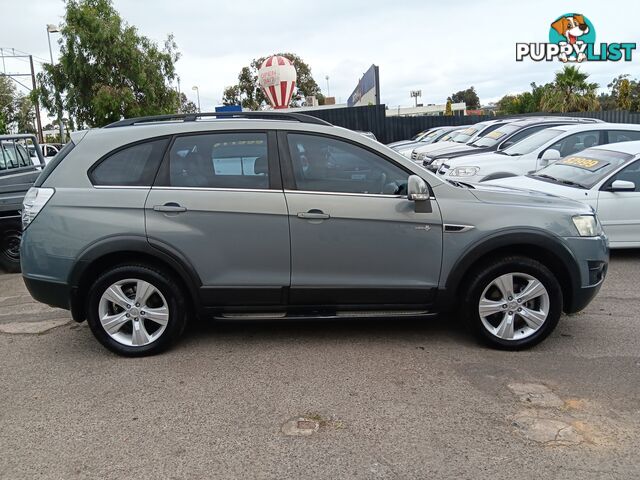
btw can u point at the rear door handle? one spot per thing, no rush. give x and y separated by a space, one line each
170 207
314 214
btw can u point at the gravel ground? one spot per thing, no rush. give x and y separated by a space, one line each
350 399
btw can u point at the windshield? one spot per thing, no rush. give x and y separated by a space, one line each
464 135
449 136
491 138
536 140
422 136
585 169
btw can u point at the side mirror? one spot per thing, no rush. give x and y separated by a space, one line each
550 155
622 186
417 189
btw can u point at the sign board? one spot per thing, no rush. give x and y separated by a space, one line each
367 92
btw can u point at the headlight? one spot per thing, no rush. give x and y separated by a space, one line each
34 200
422 156
464 171
587 225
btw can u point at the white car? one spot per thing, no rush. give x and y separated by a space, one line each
467 135
535 152
442 134
606 177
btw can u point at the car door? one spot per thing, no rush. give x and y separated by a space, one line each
218 204
618 211
355 237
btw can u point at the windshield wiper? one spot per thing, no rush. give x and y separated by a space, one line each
559 180
571 183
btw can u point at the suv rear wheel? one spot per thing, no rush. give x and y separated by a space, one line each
514 303
136 310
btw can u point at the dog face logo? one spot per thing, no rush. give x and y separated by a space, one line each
572 29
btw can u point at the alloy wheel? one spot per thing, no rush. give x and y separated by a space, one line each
514 306
133 312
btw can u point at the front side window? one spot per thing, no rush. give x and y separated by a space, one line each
576 142
491 138
220 160
133 166
630 173
324 164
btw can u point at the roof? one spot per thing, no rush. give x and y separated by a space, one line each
632 148
597 126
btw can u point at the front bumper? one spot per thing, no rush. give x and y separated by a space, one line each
592 257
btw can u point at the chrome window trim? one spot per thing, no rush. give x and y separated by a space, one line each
128 187
347 194
218 189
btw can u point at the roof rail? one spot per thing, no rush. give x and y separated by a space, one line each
192 117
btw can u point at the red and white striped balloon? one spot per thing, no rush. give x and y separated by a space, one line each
277 78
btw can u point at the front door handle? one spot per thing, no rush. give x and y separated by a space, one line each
314 214
171 207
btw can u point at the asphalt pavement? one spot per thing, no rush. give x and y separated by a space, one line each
365 399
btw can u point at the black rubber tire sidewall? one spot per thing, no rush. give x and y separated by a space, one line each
168 287
513 264
8 263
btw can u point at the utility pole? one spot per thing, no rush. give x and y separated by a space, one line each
54 29
36 104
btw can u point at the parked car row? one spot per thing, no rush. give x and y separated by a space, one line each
584 159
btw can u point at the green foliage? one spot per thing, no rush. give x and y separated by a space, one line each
448 111
468 96
570 92
247 92
16 110
106 70
186 105
625 93
526 102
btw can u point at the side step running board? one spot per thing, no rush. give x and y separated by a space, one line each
339 314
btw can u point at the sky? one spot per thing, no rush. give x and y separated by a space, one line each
438 47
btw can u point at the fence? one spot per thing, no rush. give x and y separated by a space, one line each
373 118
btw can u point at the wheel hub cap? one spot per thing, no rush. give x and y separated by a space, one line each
133 312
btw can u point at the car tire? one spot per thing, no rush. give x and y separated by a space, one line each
513 303
136 310
10 245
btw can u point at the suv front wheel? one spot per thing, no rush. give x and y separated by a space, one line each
514 302
136 310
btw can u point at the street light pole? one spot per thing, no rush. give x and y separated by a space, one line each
328 91
54 29
195 87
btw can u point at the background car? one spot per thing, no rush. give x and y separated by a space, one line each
18 171
441 134
501 138
466 135
536 151
606 177
418 137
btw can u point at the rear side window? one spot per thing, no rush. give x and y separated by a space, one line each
220 160
616 136
132 166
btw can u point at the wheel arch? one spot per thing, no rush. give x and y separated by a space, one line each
132 249
538 245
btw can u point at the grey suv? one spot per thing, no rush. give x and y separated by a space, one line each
141 225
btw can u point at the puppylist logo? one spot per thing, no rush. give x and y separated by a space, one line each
572 38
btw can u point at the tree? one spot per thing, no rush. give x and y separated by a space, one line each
106 70
247 92
468 96
25 115
526 102
7 103
448 111
186 105
623 99
570 92
625 93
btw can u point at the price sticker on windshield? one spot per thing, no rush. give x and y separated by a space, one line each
495 134
590 164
